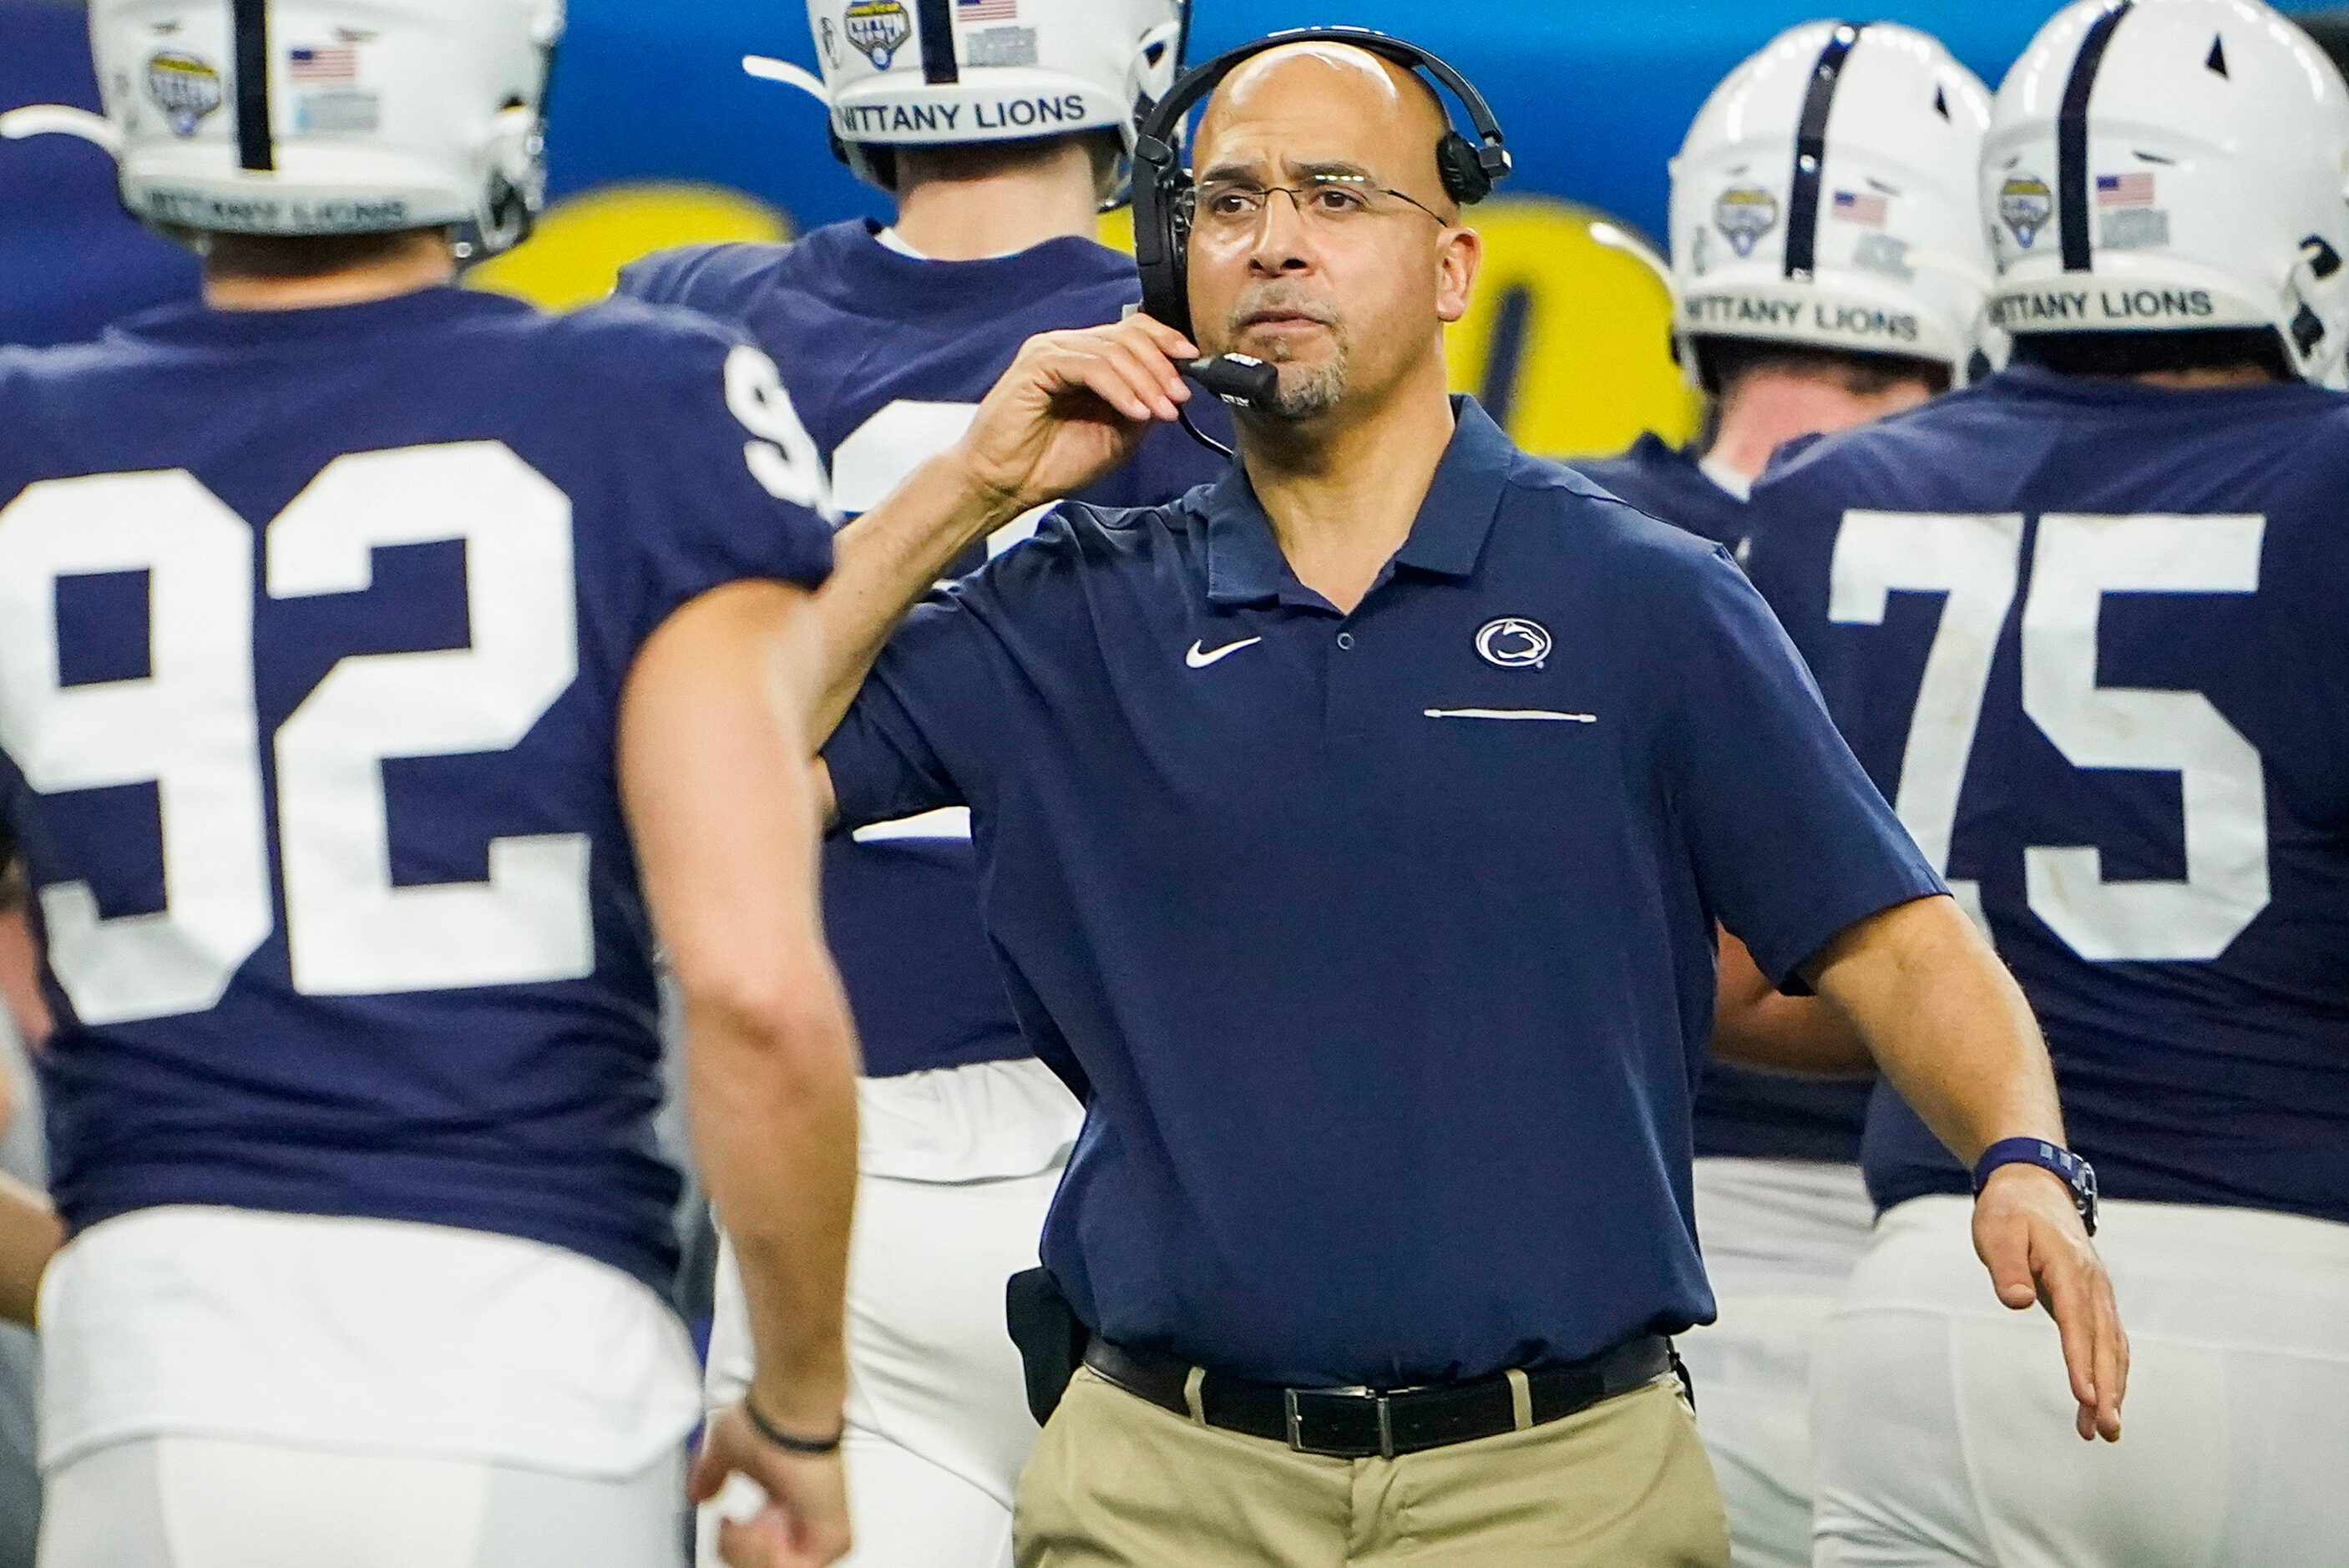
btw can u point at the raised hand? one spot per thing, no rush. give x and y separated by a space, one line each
1072 407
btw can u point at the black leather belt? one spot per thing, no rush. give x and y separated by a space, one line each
1367 1423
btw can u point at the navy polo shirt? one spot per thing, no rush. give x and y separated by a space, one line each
1383 942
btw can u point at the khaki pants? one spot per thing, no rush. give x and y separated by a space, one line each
1117 1483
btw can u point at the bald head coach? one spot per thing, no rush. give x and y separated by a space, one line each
1354 832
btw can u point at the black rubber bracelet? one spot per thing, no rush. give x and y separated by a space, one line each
808 1447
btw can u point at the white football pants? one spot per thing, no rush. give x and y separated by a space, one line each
1944 1421
939 1428
956 1175
959 1168
208 1502
1781 1238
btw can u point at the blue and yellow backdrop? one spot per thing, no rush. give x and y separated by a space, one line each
658 138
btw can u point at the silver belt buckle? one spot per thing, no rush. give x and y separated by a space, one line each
1378 1398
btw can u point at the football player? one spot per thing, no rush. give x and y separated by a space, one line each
1000 143
2082 621
381 666
1826 266
1828 269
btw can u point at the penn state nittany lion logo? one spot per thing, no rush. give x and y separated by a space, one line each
1514 643
879 29
1744 213
184 87
2025 205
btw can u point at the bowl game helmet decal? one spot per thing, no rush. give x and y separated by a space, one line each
315 116
910 73
1824 198
2173 165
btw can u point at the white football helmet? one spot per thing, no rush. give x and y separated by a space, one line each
900 72
322 117
2173 165
1825 199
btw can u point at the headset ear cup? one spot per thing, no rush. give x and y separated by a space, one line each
1464 179
1178 268
1161 240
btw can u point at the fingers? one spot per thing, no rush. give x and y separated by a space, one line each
1170 343
2112 1361
1142 365
709 1474
2079 1296
2004 1245
2076 1324
1130 366
1137 383
764 1541
2034 1246
774 1539
1087 368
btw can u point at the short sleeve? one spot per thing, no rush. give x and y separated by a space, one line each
889 758
948 696
1792 842
734 489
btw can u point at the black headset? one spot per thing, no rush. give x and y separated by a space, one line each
1161 224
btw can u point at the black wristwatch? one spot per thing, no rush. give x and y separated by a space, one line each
2077 1172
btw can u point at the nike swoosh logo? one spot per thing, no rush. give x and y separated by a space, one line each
1199 659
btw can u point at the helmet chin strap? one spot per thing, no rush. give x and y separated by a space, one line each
768 69
61 119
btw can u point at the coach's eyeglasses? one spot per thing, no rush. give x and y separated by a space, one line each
1222 208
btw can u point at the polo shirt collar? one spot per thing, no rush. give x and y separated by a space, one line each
1245 565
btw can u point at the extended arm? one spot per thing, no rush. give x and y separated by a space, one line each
712 761
1948 1025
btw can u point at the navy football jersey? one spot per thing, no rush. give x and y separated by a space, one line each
1740 1113
887 357
313 631
2088 634
1668 481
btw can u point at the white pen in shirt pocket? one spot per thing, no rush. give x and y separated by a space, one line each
1533 715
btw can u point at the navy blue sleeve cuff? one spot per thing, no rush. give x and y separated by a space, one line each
1791 951
881 767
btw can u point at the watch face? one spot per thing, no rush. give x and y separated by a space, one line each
2083 1193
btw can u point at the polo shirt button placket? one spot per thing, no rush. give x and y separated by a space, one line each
1346 641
